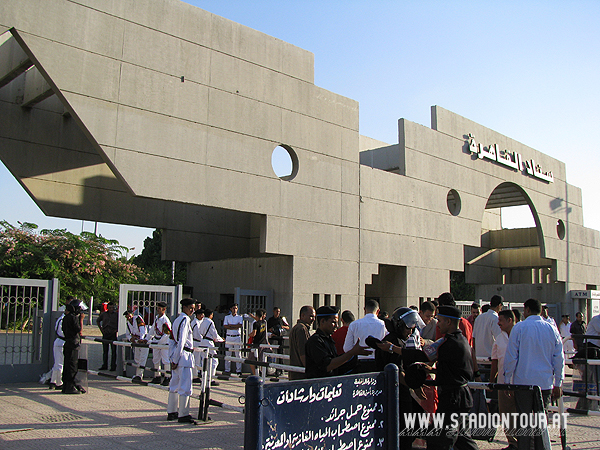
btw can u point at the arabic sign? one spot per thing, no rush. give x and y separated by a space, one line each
340 413
512 160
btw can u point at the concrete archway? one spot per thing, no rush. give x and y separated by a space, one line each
510 261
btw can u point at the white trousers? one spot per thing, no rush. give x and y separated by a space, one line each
160 355
59 359
235 352
140 356
180 390
213 362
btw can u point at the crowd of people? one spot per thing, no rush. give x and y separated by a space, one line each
432 345
524 349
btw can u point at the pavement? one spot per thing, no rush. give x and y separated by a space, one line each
121 415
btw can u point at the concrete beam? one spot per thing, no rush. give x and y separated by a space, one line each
36 88
13 61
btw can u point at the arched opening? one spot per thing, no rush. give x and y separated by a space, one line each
509 260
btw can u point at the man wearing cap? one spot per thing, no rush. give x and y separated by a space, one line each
361 329
195 324
454 370
71 327
320 352
135 333
233 326
57 368
209 336
161 330
402 340
181 356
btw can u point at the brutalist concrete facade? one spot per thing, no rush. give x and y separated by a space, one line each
160 114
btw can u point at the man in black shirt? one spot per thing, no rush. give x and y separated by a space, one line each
71 327
259 336
276 326
454 369
108 322
321 355
578 327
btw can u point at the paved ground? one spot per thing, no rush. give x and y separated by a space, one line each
119 415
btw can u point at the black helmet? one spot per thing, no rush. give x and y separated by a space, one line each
74 307
404 317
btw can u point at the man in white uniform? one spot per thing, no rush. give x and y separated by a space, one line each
161 330
59 357
195 324
360 330
135 333
181 355
208 332
233 326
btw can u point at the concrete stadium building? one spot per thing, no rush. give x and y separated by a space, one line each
156 113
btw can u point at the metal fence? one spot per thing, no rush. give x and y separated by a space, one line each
25 309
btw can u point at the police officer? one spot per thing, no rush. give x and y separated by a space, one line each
181 355
72 325
454 369
401 346
161 330
135 333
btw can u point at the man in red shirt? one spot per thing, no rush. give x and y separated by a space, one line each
339 335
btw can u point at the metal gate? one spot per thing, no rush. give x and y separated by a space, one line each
25 329
249 301
142 300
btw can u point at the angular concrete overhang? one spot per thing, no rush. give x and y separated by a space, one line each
150 112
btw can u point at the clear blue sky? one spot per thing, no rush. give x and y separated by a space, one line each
527 69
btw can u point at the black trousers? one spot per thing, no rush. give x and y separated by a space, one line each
524 401
448 437
113 350
71 355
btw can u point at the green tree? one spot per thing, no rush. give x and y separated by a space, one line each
459 288
86 264
159 272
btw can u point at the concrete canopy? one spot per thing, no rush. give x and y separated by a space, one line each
160 114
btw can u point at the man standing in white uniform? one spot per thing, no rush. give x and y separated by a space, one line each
181 355
360 330
136 332
209 336
233 326
161 330
195 324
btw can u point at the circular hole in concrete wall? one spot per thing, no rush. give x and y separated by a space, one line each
453 202
284 162
560 229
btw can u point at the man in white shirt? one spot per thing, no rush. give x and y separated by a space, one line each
195 324
135 332
181 356
426 313
360 330
564 328
161 330
233 326
593 328
506 402
486 328
534 357
209 336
